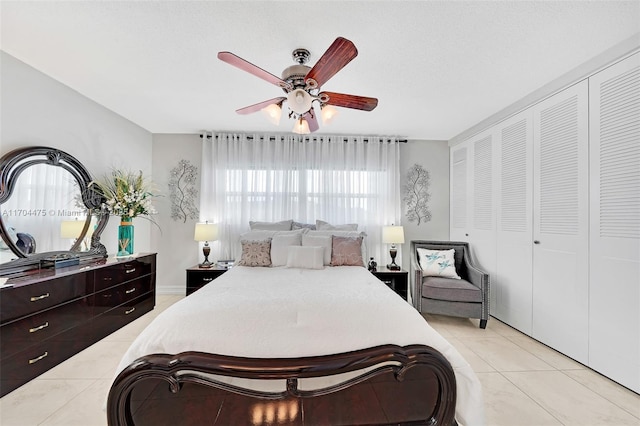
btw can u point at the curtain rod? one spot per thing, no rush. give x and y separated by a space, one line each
272 138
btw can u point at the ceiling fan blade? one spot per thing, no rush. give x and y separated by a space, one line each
238 62
351 101
257 107
312 120
339 54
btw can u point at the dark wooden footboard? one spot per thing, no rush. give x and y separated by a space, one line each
398 385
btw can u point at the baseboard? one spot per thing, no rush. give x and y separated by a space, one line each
176 289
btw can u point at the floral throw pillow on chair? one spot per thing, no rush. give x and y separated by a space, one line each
438 263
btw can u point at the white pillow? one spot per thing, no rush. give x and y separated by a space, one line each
438 263
280 244
306 257
321 225
283 225
262 235
323 241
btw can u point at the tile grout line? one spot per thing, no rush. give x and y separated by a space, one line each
500 372
563 371
598 393
70 400
535 401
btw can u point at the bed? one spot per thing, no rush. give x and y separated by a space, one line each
293 346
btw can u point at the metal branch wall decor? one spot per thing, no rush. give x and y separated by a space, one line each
416 194
182 191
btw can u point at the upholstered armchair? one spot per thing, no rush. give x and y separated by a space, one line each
466 297
26 243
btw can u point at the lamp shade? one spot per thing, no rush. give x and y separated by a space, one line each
206 232
71 228
273 113
299 101
301 127
328 113
393 234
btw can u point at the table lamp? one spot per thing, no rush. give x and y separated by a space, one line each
393 235
71 229
206 232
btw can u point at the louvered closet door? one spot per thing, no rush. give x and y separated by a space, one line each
614 328
561 221
514 224
472 213
458 189
482 232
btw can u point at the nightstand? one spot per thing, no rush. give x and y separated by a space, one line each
398 281
199 277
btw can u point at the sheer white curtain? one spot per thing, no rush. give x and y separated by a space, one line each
338 179
43 197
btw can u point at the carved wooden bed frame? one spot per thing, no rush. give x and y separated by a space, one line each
413 384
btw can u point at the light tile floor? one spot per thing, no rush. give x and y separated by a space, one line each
524 381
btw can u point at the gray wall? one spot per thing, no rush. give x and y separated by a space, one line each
173 240
38 110
433 156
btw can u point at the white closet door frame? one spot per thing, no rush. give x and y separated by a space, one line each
561 222
514 221
459 184
614 330
482 207
472 213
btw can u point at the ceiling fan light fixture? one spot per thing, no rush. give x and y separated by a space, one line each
301 84
273 113
328 113
299 101
301 127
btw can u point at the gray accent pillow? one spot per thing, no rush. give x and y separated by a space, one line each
283 225
300 225
321 225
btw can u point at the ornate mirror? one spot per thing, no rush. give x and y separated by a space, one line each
47 208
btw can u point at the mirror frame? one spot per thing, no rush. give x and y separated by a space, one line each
13 164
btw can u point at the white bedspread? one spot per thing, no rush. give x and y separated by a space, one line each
283 312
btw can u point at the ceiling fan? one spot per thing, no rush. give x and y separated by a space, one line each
302 83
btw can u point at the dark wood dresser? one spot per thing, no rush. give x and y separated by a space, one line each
49 315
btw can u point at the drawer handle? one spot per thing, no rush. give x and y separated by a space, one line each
38 328
130 291
128 271
129 311
206 280
36 298
107 279
34 360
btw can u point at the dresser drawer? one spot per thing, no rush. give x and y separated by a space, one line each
25 300
110 298
20 334
124 271
116 318
35 360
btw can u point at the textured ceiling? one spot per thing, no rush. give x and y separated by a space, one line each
437 67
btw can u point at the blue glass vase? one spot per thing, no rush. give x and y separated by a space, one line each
125 237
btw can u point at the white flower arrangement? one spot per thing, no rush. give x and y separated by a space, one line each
127 194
